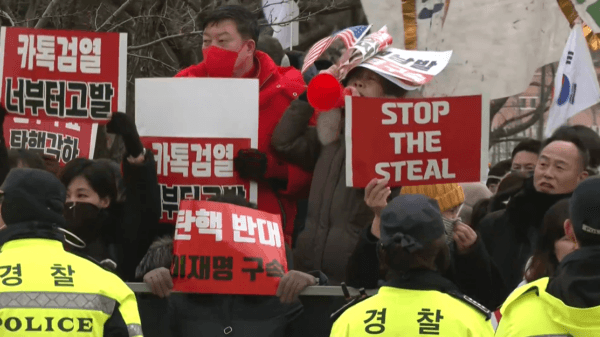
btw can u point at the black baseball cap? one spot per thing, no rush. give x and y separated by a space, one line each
585 210
32 195
413 220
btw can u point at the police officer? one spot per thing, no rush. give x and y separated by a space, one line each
416 300
44 290
568 303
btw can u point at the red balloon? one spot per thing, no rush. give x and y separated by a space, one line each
325 93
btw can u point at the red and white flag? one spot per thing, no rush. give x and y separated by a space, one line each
349 36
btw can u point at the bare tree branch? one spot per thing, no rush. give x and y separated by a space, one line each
130 48
8 17
495 107
27 21
317 5
136 18
309 39
538 113
193 5
46 16
498 134
517 118
117 12
517 139
7 13
317 11
155 60
33 5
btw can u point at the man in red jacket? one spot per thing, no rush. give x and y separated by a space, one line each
229 50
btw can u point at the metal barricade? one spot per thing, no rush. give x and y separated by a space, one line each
139 287
318 302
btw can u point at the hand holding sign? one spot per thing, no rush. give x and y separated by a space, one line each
376 194
250 164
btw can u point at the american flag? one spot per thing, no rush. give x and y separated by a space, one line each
349 36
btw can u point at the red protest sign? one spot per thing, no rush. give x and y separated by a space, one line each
221 248
416 141
196 168
68 75
61 140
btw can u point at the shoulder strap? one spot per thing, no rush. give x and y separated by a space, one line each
361 297
472 303
102 264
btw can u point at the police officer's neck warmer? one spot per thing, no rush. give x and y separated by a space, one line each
32 206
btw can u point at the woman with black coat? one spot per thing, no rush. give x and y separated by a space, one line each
117 223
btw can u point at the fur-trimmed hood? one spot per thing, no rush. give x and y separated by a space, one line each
329 126
160 254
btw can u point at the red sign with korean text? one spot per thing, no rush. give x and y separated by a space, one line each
221 248
60 140
74 76
195 168
416 141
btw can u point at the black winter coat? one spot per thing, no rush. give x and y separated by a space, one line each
576 279
202 315
129 230
473 273
509 235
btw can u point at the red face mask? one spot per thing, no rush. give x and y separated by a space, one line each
221 62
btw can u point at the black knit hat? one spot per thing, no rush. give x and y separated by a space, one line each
413 220
32 195
585 210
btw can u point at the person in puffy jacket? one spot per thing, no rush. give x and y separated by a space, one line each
229 47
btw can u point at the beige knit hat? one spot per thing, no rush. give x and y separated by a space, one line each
448 196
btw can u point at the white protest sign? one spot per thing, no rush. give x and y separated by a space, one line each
195 129
413 68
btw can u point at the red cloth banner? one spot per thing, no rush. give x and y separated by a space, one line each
63 141
74 76
221 248
416 141
195 168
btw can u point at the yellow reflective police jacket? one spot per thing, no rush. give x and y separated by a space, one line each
46 291
531 311
402 312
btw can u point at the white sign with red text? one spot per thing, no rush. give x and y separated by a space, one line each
414 68
195 128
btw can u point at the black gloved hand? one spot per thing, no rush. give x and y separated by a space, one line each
250 164
123 125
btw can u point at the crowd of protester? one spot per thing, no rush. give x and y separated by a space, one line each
473 243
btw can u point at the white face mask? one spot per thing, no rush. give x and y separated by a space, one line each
449 225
